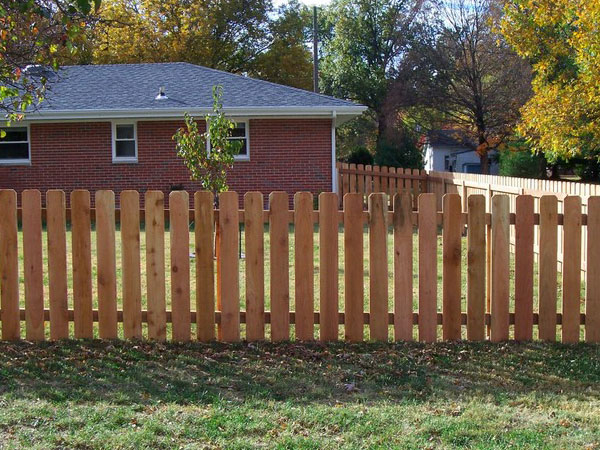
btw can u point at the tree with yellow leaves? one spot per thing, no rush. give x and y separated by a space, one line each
241 36
561 39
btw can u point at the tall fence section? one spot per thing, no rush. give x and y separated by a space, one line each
352 273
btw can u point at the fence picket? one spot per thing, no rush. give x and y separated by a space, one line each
592 290
228 299
353 267
451 274
57 264
32 265
9 266
130 259
154 203
82 264
180 265
304 265
403 267
500 268
204 222
107 266
328 266
547 267
571 269
577 254
427 268
255 266
280 269
378 267
476 271
524 268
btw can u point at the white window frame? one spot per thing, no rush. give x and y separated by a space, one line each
124 159
21 161
238 157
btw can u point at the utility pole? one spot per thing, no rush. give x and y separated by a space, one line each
315 51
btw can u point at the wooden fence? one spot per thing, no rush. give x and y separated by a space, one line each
367 310
389 180
465 184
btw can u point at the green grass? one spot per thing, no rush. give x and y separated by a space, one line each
95 394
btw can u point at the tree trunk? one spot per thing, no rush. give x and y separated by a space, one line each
483 157
485 163
217 250
381 128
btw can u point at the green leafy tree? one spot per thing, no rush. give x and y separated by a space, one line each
365 42
208 155
36 33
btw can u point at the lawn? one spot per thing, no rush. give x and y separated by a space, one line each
95 394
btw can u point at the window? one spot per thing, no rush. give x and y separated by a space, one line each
240 133
14 146
124 142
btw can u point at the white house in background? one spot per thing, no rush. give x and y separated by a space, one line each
449 151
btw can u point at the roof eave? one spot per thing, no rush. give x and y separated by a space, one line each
342 113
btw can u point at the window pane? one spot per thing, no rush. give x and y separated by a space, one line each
239 130
124 131
14 134
14 151
125 149
244 149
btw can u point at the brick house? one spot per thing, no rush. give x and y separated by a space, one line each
111 127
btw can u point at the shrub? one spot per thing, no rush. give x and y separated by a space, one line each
517 162
360 155
401 153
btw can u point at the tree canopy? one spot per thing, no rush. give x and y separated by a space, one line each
36 33
242 36
561 39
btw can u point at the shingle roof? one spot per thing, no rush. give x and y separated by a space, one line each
187 86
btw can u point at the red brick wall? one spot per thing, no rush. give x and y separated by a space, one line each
285 154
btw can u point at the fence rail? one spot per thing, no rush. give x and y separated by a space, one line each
84 293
